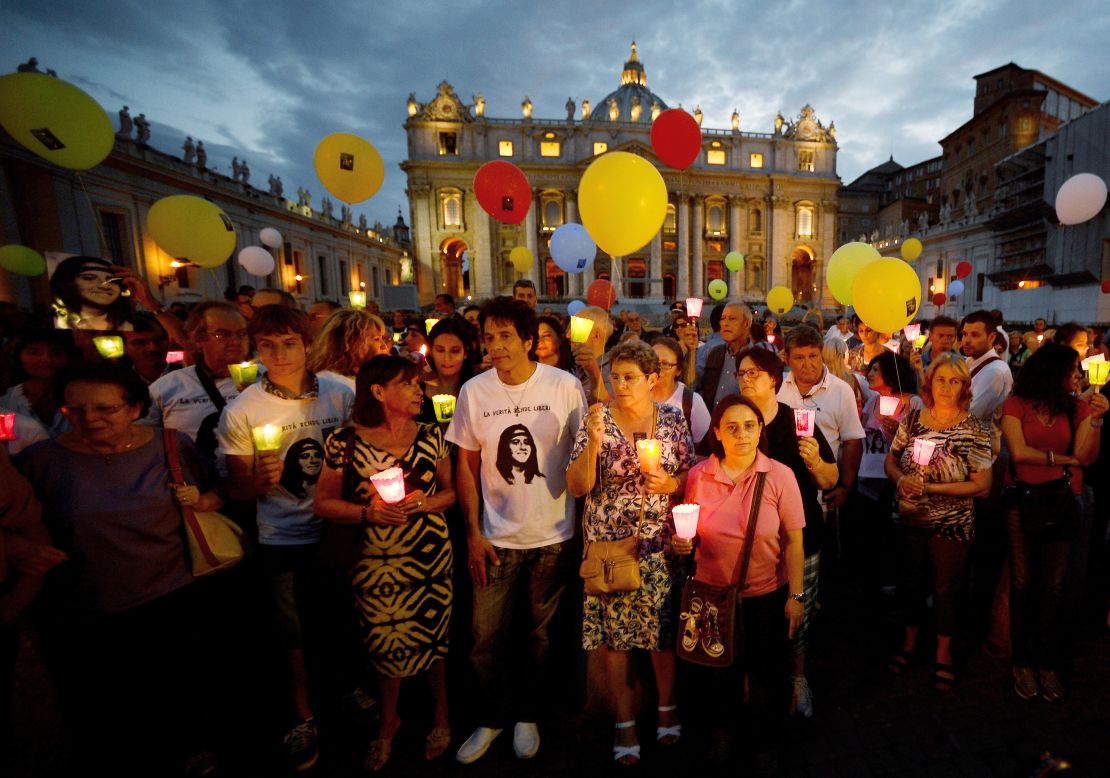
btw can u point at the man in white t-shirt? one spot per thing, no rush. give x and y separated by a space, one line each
811 385
305 408
184 400
514 426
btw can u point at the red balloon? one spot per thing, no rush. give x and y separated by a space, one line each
503 191
601 293
676 138
963 270
938 298
1106 287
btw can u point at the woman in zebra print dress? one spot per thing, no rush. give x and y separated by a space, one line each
402 579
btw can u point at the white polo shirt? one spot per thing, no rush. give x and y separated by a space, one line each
835 403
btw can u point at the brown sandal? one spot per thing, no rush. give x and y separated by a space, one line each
436 743
377 756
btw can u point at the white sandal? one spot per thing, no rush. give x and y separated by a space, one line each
665 732
621 752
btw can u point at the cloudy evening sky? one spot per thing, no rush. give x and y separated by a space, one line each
266 80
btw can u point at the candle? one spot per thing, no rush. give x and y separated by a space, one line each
1086 363
919 342
397 337
390 484
267 437
429 323
358 299
804 421
109 346
912 331
7 427
424 351
580 329
445 406
1040 338
923 451
243 374
174 356
686 520
693 306
649 451
888 406
1098 372
770 338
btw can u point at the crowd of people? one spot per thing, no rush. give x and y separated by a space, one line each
920 469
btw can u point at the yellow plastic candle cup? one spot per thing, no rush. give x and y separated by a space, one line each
243 374
1098 372
267 437
444 405
109 346
580 329
358 299
429 323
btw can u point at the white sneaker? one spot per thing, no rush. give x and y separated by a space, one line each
476 745
526 739
802 701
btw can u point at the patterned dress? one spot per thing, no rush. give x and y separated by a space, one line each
643 618
402 579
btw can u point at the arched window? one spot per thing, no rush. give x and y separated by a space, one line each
756 221
669 224
716 219
552 214
451 208
804 221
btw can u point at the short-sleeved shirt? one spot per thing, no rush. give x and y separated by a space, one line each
285 513
1056 437
782 446
835 403
723 521
961 449
699 414
524 433
179 402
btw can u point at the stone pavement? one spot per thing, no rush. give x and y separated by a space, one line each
866 722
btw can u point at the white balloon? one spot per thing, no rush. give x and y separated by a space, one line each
270 237
256 260
1080 198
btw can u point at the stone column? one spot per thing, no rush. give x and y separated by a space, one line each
683 246
698 239
481 258
536 273
425 255
735 206
655 267
574 280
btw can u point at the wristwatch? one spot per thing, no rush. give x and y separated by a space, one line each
799 597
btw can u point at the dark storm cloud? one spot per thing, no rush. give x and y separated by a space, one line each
896 77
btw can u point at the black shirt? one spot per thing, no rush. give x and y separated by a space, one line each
782 442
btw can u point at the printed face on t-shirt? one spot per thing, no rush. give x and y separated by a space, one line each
504 345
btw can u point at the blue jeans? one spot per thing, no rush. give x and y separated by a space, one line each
512 688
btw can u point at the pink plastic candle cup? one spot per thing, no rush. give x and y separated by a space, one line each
686 520
174 356
694 306
390 484
649 451
888 406
912 331
804 421
7 426
923 451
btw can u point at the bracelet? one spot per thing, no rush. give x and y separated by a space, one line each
364 514
1051 457
1096 423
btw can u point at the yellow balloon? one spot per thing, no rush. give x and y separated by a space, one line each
911 249
349 167
623 201
844 264
55 120
780 299
22 260
191 229
521 257
886 294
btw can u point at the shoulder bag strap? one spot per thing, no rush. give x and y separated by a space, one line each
210 386
688 407
749 534
983 364
177 476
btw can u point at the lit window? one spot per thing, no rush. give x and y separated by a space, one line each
448 144
505 148
805 161
755 160
600 147
805 222
550 148
716 156
669 225
452 211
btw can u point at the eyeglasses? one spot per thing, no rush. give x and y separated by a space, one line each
88 410
668 364
752 373
221 335
627 380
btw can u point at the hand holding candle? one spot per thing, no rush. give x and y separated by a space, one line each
804 421
580 329
686 520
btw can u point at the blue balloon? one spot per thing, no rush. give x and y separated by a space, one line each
956 288
574 306
572 248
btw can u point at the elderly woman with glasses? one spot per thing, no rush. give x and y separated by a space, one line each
669 390
939 461
624 501
123 621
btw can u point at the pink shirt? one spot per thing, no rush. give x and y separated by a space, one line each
724 519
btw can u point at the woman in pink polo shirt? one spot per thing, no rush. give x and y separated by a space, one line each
772 592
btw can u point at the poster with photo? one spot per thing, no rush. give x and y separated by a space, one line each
87 295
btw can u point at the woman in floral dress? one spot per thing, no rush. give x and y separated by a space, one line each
605 467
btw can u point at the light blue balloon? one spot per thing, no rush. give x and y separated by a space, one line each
956 288
574 306
572 248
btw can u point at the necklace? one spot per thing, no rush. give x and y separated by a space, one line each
505 388
109 454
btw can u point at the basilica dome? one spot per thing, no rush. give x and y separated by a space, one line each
632 101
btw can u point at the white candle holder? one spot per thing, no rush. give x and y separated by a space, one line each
686 520
912 331
923 451
888 406
694 306
390 484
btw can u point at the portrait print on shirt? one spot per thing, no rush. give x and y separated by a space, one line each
303 462
517 457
